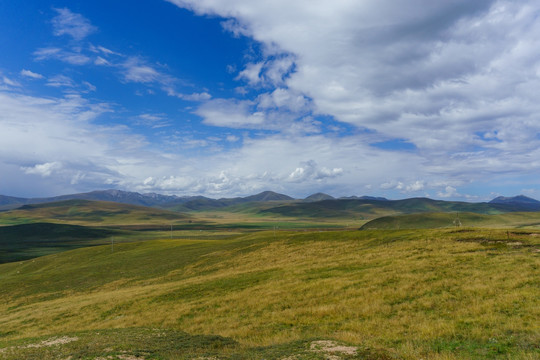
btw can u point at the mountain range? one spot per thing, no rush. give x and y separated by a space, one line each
283 203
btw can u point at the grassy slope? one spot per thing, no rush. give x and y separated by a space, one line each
334 213
440 294
36 230
446 220
84 212
26 241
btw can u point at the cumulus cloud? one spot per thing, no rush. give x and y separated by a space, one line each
251 73
405 188
310 171
68 151
399 69
271 72
62 144
448 192
72 24
44 170
457 79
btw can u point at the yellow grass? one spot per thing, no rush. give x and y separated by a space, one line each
399 290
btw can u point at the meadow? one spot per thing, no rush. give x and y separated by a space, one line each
458 293
43 229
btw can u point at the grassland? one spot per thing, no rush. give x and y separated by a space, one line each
522 220
91 213
43 229
387 294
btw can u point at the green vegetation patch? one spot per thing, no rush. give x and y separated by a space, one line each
411 294
454 220
156 343
127 344
25 241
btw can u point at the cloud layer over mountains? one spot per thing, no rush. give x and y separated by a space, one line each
382 97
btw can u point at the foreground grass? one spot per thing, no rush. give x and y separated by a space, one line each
144 343
438 294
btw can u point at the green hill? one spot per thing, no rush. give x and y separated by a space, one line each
408 294
86 212
453 219
370 209
41 229
25 241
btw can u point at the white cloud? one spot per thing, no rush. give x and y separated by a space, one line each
202 96
60 81
402 187
416 186
230 113
47 53
310 171
433 74
89 86
155 121
136 70
68 56
44 170
101 49
449 192
101 61
72 24
456 79
10 82
284 99
53 138
251 73
73 154
31 74
271 72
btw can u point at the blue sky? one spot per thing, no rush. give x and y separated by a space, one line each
232 98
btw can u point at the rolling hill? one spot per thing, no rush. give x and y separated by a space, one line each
41 229
379 295
26 241
370 209
452 220
201 203
149 199
86 212
519 202
318 197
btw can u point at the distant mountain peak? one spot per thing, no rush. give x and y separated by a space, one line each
268 196
365 197
319 197
519 199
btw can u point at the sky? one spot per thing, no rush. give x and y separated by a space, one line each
230 98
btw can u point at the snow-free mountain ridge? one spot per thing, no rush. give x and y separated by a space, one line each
188 203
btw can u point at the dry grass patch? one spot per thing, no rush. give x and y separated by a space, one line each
420 294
